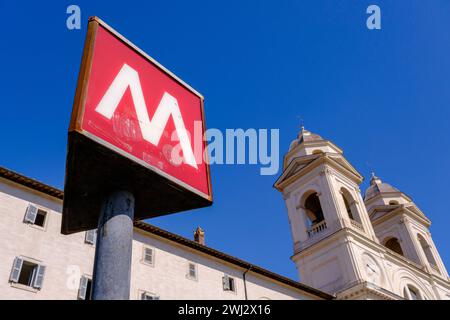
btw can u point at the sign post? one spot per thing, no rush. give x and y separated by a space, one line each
136 150
112 271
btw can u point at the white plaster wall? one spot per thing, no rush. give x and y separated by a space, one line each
167 277
327 266
56 251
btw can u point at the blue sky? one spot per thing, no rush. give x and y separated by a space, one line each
380 95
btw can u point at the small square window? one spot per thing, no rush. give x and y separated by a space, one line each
27 273
228 283
85 290
148 256
35 216
148 296
232 288
40 218
192 271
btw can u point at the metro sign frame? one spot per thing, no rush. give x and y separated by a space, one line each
96 166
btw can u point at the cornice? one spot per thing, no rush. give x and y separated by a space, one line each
367 288
402 209
313 162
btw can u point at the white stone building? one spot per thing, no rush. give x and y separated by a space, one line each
376 247
38 262
345 246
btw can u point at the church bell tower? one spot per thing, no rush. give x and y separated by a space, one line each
326 212
337 245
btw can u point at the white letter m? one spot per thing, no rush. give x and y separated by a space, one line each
152 130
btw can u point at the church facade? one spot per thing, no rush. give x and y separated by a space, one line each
372 247
346 246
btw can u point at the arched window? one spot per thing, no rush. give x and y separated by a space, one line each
427 250
350 206
393 203
394 245
313 209
412 293
347 207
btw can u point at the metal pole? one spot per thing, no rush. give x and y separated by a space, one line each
112 264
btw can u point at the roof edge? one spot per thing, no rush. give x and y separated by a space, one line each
31 183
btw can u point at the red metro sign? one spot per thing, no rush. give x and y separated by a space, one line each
137 107
134 126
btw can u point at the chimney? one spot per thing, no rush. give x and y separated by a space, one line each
199 236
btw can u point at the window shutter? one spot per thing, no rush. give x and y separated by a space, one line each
31 213
39 278
15 272
148 296
144 296
148 255
91 236
226 283
192 270
83 288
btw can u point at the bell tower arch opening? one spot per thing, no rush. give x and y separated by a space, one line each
427 251
313 209
394 245
351 208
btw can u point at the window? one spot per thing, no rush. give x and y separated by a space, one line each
347 207
427 250
412 293
91 236
394 245
35 216
350 206
40 218
192 271
228 283
27 273
405 293
85 290
393 203
148 296
313 209
148 256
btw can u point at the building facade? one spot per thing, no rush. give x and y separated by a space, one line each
372 247
38 262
